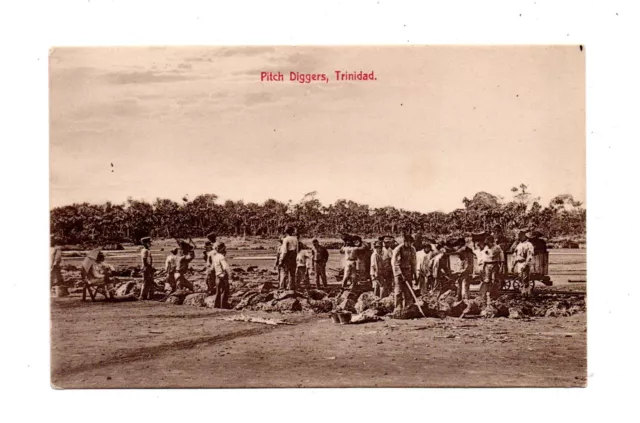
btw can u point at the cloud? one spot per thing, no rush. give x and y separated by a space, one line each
148 77
253 99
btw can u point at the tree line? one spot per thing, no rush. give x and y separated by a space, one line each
99 224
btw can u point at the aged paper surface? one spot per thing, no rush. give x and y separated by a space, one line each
445 186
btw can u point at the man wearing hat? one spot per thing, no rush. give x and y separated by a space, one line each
212 238
403 262
319 263
185 256
523 256
147 269
288 254
170 267
539 244
223 273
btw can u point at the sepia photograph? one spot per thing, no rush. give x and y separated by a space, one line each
318 216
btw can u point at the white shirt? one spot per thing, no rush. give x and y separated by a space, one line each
290 243
220 265
171 264
146 254
524 252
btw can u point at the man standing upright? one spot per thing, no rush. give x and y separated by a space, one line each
210 274
380 287
222 272
147 269
56 266
493 259
404 269
522 264
320 259
463 275
289 251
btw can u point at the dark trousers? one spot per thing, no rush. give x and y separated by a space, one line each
147 285
321 273
221 292
401 290
288 274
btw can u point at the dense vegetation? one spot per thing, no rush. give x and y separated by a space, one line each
109 223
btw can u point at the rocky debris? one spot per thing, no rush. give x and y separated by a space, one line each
174 299
321 306
385 305
282 295
410 312
347 305
238 270
287 305
265 287
195 300
366 301
177 297
457 309
369 315
252 269
497 310
473 308
316 294
125 289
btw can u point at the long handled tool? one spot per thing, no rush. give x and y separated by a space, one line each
414 297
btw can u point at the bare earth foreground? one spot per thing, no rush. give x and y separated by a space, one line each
157 345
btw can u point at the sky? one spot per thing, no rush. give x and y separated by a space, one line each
438 124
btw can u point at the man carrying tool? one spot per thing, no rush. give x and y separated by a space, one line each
170 268
184 259
522 262
320 259
289 251
492 260
147 269
403 262
223 272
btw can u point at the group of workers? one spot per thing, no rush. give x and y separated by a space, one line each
416 263
217 270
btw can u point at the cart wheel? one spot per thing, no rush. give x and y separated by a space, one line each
506 284
516 285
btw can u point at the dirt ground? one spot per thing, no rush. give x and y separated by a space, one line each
151 344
